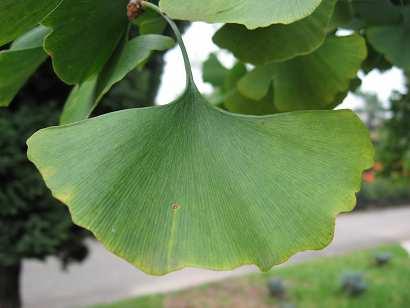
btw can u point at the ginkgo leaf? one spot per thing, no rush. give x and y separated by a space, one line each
393 41
85 34
277 42
19 16
252 14
314 81
19 62
190 185
85 97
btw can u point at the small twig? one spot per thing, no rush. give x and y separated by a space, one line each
149 5
134 9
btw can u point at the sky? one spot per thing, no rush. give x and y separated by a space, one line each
198 41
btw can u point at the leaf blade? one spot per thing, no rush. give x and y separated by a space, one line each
182 185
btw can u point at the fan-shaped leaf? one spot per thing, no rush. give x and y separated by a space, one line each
277 42
19 62
252 14
316 80
85 34
190 185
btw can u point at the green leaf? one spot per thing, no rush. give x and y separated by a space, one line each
85 97
252 14
255 84
226 94
342 15
277 42
393 41
188 184
224 80
375 60
81 101
234 75
237 103
377 12
314 81
214 72
85 34
150 23
19 62
19 16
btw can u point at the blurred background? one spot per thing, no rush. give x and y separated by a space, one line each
48 262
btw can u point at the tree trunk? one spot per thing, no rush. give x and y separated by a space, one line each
10 286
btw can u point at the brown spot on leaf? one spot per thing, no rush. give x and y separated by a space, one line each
175 206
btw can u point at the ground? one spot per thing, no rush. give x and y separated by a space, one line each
104 278
311 284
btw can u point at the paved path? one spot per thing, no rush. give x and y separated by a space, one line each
105 278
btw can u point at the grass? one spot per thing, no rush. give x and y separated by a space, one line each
311 284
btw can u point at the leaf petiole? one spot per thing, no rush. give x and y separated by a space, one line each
188 70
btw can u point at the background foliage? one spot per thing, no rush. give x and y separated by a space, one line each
32 223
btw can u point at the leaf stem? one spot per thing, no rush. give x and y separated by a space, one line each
188 70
